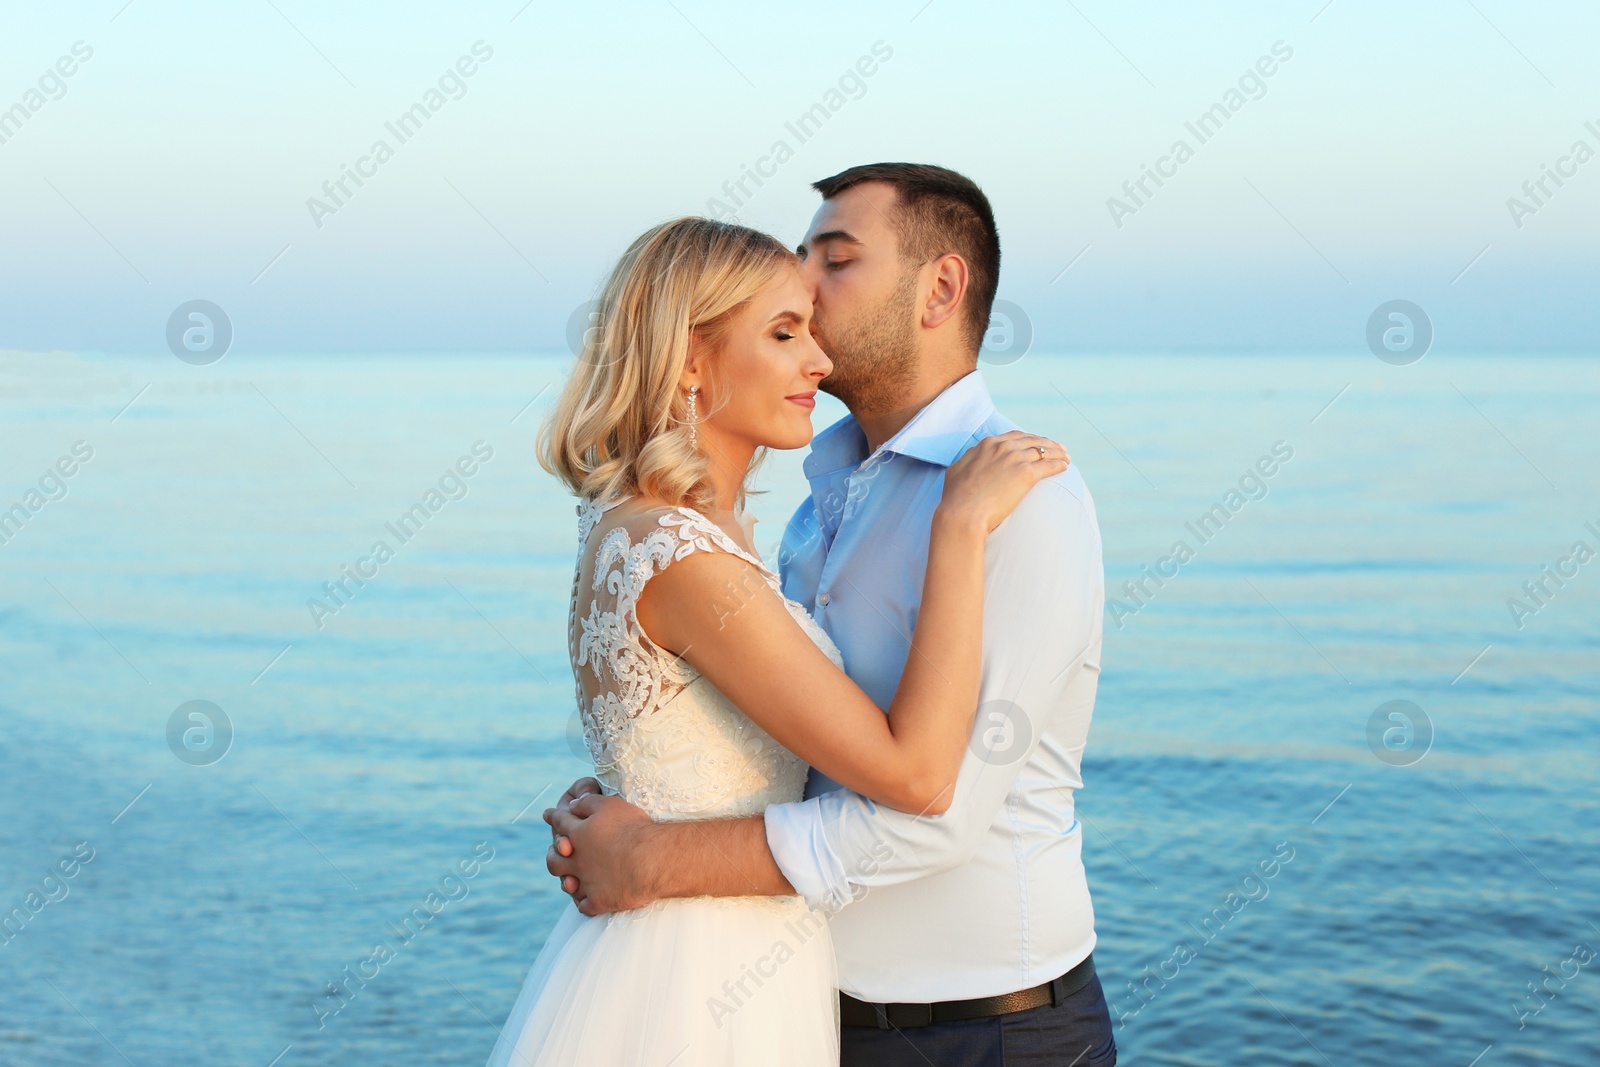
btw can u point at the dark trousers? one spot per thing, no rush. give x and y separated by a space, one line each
1074 1033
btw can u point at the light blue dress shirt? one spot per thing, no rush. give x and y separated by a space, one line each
989 897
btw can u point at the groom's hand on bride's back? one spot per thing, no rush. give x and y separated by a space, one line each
594 838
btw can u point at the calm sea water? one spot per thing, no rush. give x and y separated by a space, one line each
383 746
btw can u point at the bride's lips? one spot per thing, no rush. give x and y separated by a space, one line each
805 400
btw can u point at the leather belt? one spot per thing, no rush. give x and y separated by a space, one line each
853 1012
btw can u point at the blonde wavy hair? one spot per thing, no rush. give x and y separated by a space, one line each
621 425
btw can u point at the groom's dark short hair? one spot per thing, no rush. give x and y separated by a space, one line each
939 212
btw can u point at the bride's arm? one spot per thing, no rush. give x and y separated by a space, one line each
760 658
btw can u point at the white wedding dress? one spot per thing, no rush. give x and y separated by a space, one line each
731 981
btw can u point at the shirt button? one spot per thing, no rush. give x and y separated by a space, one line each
823 598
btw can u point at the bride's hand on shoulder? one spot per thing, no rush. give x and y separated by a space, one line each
986 484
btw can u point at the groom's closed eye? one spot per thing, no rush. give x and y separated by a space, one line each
827 241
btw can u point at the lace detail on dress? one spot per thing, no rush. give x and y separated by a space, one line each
662 736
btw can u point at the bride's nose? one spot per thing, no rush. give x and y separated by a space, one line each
818 366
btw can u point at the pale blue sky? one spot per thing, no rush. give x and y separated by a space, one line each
1376 164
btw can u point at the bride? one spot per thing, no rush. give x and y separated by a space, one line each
703 691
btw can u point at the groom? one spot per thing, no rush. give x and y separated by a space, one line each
962 938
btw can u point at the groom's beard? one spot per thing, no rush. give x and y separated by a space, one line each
874 356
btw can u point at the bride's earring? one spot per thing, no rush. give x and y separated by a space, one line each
694 417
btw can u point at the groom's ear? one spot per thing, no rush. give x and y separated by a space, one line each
948 279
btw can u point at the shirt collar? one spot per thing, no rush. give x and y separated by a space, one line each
937 434
839 446
940 432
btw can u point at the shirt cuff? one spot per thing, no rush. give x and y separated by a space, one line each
802 852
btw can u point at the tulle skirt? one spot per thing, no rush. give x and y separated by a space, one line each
699 982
